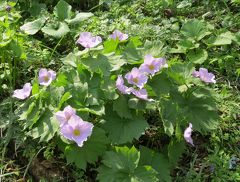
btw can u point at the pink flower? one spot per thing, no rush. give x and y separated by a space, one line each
188 133
141 94
45 77
24 92
152 65
119 35
136 77
88 41
64 116
77 130
121 87
204 75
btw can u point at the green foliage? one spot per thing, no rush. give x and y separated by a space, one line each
186 33
123 165
122 130
62 10
158 161
52 27
57 32
93 148
195 29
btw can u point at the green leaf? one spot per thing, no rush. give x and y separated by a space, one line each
195 29
181 73
187 44
169 115
33 27
121 130
46 127
201 110
58 32
153 47
158 161
135 103
237 38
120 106
79 18
122 165
116 62
222 39
35 88
93 148
197 56
62 10
160 84
70 59
175 151
64 98
100 63
108 88
110 45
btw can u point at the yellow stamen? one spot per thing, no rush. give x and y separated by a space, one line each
46 78
76 132
135 80
151 67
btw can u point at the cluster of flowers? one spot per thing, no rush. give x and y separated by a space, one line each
204 75
45 78
72 126
139 76
87 40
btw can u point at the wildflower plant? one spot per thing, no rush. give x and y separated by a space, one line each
96 103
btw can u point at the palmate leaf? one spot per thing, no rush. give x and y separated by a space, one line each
93 148
100 63
33 27
197 56
122 130
222 39
123 166
201 110
155 48
121 107
169 115
158 161
46 128
62 10
175 151
79 17
160 84
58 32
195 29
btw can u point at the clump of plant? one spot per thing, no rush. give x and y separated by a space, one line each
94 106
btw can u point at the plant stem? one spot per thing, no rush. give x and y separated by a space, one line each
54 49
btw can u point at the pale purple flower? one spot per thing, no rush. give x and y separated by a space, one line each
119 35
77 130
64 116
121 87
87 40
45 77
136 77
195 73
24 92
188 133
204 75
141 94
152 65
